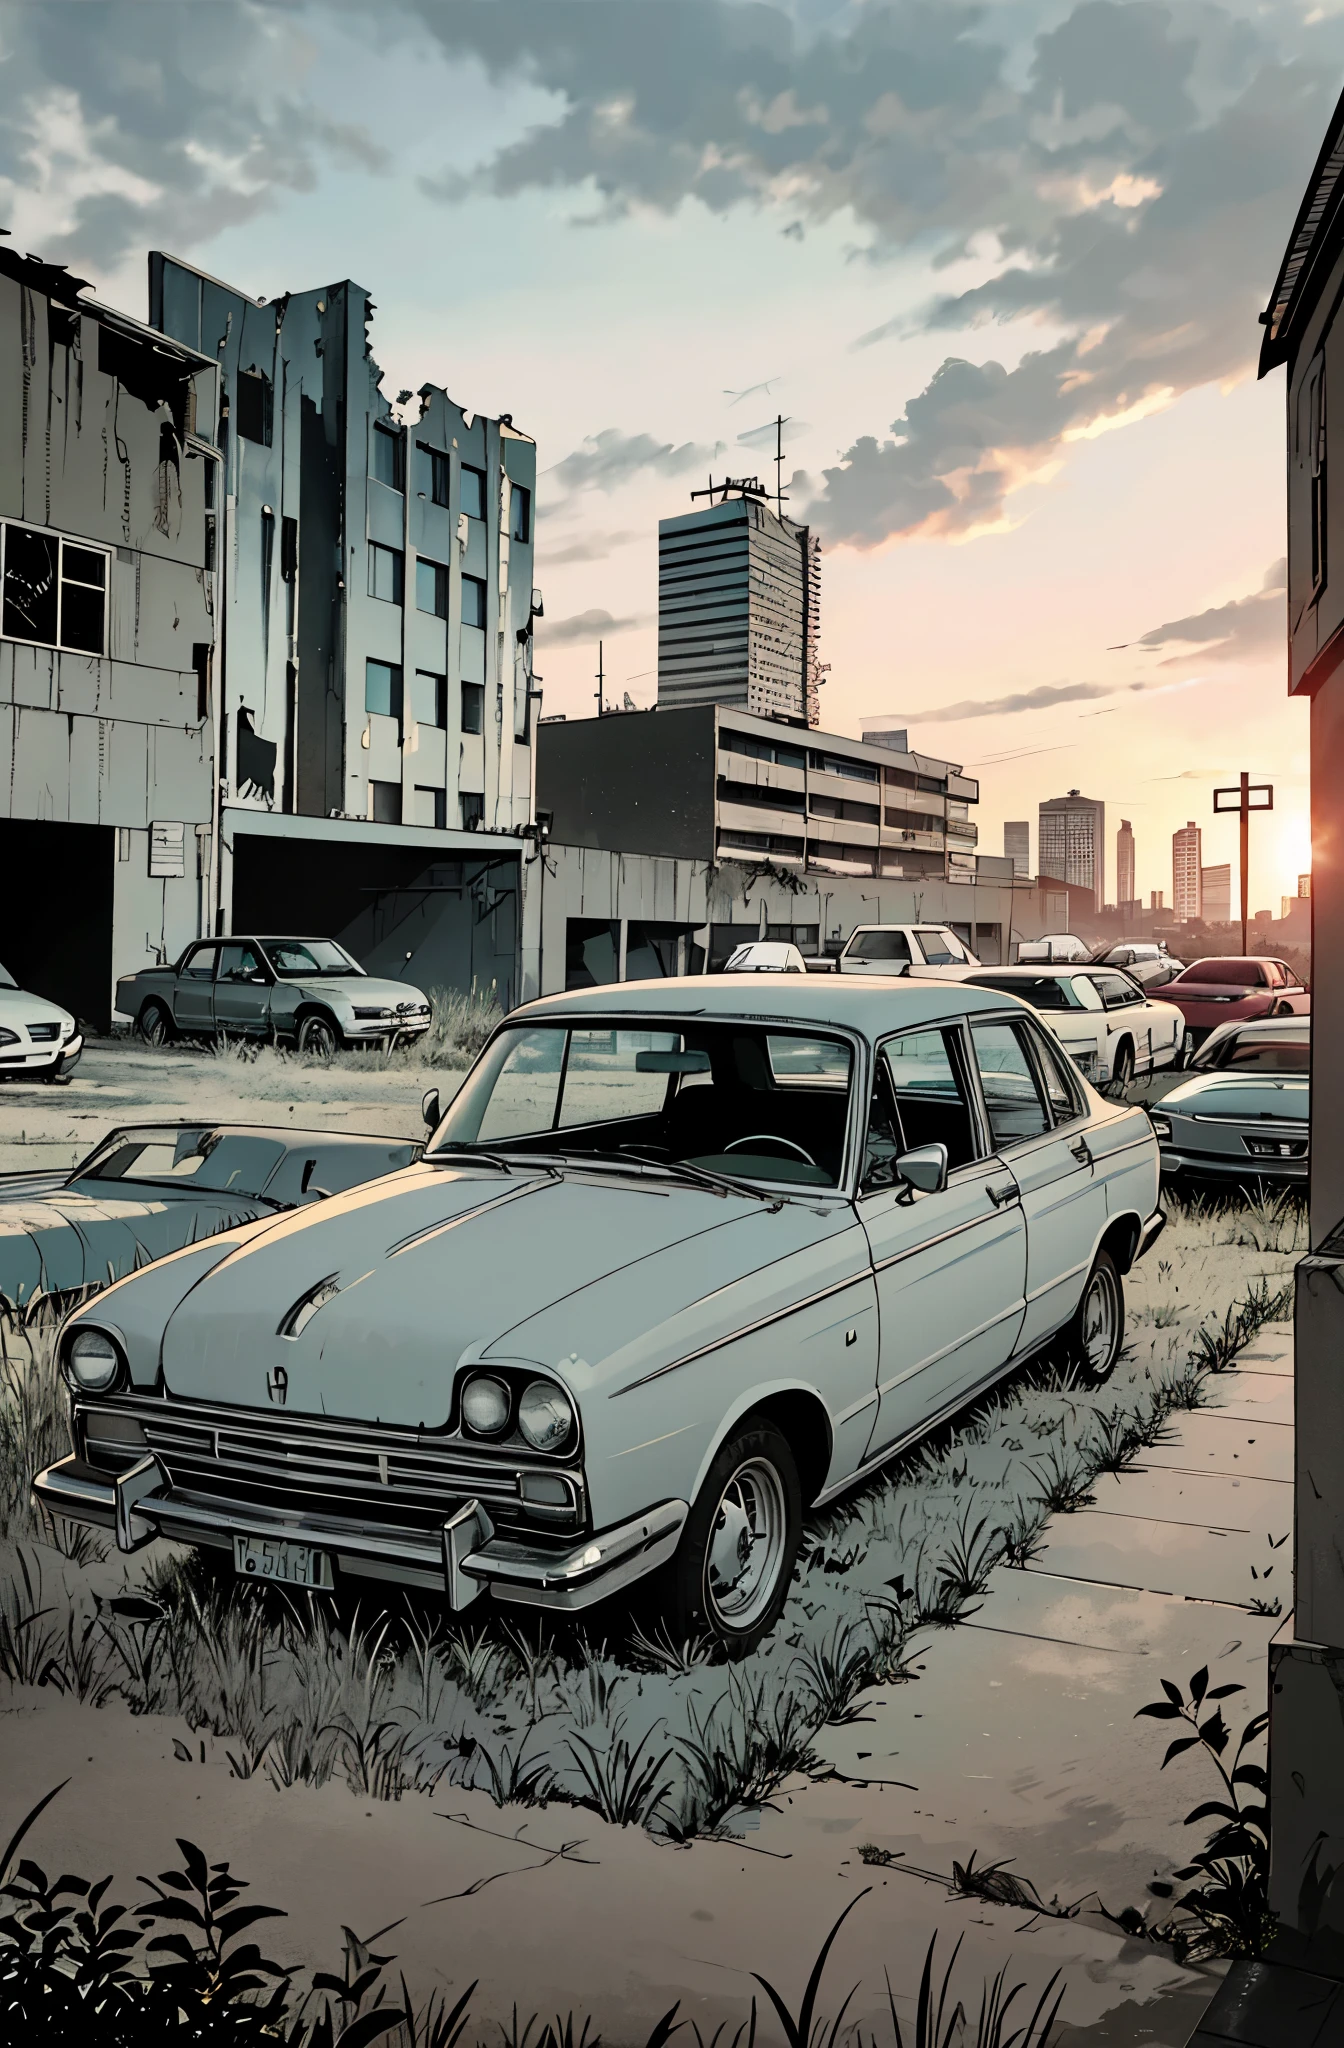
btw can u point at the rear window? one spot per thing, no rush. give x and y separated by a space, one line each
1285 1056
879 945
1042 991
1237 973
224 1162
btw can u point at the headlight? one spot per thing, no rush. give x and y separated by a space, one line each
485 1406
1162 1128
545 1415
8 1037
92 1362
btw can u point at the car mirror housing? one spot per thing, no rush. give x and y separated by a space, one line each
925 1168
429 1108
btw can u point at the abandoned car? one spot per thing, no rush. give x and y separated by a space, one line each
147 1189
1106 1022
39 1041
1245 1112
308 991
682 1260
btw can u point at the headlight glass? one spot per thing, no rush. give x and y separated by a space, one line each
545 1415
485 1406
93 1362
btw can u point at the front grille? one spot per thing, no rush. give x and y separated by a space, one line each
44 1034
386 1477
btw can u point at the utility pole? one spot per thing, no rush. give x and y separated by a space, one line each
1248 796
601 679
780 424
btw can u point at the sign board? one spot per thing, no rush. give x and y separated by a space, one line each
167 852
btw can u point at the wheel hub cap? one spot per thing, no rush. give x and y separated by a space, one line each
746 1544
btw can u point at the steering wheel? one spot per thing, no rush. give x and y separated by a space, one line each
770 1138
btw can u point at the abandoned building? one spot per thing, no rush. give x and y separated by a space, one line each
109 496
376 612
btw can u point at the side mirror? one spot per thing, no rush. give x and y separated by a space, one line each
925 1168
429 1108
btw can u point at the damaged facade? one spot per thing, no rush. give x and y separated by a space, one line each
109 497
376 619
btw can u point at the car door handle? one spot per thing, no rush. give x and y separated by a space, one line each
1082 1152
1003 1191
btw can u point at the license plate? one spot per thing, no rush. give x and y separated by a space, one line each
289 1564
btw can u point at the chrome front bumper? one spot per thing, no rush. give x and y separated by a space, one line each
466 1557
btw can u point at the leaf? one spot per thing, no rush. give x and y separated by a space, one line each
1160 1889
1213 1809
370 2025
1173 1692
1199 1684
133 1609
664 2028
7 1853
1251 1774
1160 1710
197 1869
180 1750
1214 1732
233 1923
1223 1692
1181 1743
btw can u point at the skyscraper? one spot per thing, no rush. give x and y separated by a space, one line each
1124 865
1017 844
1215 894
739 599
1185 853
1071 842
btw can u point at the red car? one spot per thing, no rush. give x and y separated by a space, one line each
1223 991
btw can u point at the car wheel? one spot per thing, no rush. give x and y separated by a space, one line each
319 1036
1122 1073
1097 1331
154 1024
731 1574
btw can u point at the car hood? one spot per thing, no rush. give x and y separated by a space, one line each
1241 1097
430 1271
67 1238
30 1009
365 989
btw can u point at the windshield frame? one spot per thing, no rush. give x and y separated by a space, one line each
124 1134
542 1150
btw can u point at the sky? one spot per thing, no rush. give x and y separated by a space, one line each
998 265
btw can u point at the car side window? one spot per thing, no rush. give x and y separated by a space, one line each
1065 1097
237 963
1016 1108
927 1097
1116 992
201 965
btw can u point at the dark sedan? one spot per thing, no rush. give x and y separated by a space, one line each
1233 991
307 991
1245 1112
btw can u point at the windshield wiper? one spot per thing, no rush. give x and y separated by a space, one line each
471 1152
677 1169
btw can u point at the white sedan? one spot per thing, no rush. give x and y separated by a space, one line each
765 956
39 1041
1105 1020
683 1260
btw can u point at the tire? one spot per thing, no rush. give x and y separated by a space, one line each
154 1025
318 1035
1122 1073
1097 1332
753 1483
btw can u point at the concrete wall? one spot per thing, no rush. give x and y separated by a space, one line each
105 439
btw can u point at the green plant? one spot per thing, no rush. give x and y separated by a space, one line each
624 1786
1228 1905
936 2027
800 2029
1063 1476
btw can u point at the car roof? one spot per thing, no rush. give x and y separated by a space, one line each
1263 1027
871 1003
1034 967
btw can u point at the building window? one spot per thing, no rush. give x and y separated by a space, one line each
522 513
387 458
473 707
431 587
440 475
429 698
473 601
1316 465
431 806
254 407
473 492
473 811
382 688
385 803
289 549
385 573
55 591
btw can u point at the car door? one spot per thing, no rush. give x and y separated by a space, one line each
194 990
1038 1116
1124 1019
950 1265
242 991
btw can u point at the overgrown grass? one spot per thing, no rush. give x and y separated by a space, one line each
397 1697
460 1024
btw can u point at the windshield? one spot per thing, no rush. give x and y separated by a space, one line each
1277 1055
1236 973
741 1099
301 959
225 1162
1042 991
940 948
6 978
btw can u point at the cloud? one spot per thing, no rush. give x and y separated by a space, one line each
589 547
1042 697
610 458
589 625
1241 630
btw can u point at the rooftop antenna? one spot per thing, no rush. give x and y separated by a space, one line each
745 486
601 679
781 421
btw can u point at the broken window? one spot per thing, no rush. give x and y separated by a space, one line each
473 601
382 688
55 591
385 803
473 810
254 407
387 462
431 587
440 474
473 707
429 699
522 513
473 492
385 573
